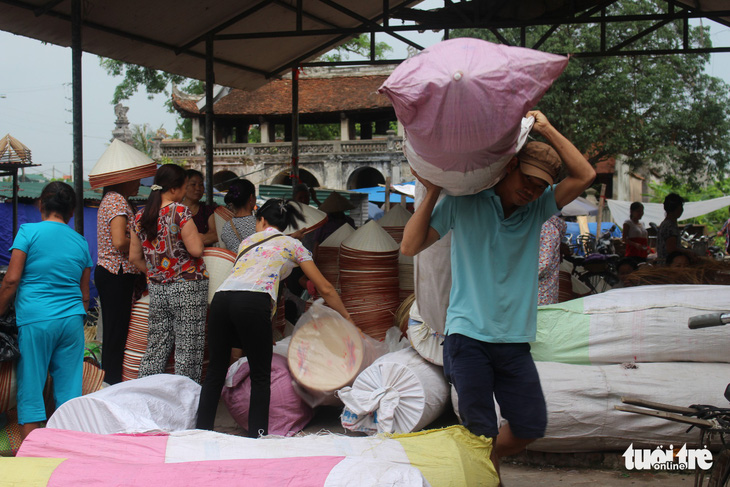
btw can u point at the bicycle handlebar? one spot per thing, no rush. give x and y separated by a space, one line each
711 319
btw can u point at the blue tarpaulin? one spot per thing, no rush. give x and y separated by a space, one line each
30 214
377 195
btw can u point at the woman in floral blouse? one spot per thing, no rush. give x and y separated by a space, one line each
115 276
166 245
243 306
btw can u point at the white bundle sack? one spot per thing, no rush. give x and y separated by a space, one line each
636 324
161 402
581 398
424 339
432 275
399 393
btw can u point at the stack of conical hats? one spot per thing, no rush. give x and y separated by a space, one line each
137 342
369 278
313 219
328 254
120 163
393 222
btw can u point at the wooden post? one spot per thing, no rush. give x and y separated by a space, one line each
387 194
599 217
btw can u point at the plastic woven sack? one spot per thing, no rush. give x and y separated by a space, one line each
288 413
462 101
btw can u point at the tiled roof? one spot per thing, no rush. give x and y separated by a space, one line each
316 95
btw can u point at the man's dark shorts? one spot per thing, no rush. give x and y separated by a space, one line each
478 369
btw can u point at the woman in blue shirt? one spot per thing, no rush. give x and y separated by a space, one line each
50 266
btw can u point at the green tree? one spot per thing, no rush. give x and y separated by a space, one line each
359 46
662 112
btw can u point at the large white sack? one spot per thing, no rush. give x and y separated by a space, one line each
399 393
636 324
432 275
424 339
161 402
580 401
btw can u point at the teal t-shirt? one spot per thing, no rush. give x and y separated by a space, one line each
494 265
56 256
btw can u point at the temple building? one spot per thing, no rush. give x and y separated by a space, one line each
252 131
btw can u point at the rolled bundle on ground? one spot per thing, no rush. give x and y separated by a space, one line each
638 324
461 102
580 401
155 403
369 278
399 393
288 412
328 254
424 339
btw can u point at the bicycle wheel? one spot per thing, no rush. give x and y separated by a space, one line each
720 473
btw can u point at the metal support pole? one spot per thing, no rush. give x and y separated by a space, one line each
294 128
209 82
15 203
78 126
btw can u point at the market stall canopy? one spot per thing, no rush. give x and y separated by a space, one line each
654 212
578 207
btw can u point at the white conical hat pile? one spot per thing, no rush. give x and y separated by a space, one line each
120 163
369 278
313 219
405 276
328 254
394 220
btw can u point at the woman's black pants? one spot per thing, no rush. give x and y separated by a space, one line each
239 318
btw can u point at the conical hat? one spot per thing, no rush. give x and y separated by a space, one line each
313 218
335 202
120 163
338 236
396 217
372 238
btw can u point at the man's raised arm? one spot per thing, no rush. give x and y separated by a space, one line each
418 233
580 172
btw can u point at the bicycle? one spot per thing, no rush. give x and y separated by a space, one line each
597 271
713 421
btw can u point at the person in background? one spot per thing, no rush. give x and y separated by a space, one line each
114 276
668 236
166 246
492 313
725 232
301 193
625 266
335 206
634 234
551 236
50 267
202 212
241 199
243 307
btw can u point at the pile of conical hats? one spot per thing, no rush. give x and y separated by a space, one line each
137 342
120 163
369 278
218 263
393 222
328 254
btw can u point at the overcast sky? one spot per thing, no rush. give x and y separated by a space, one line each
35 98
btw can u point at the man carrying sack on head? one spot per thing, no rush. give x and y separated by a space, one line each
492 313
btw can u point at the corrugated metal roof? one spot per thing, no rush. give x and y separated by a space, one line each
284 191
32 190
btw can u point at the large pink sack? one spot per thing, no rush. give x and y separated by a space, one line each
462 101
288 413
